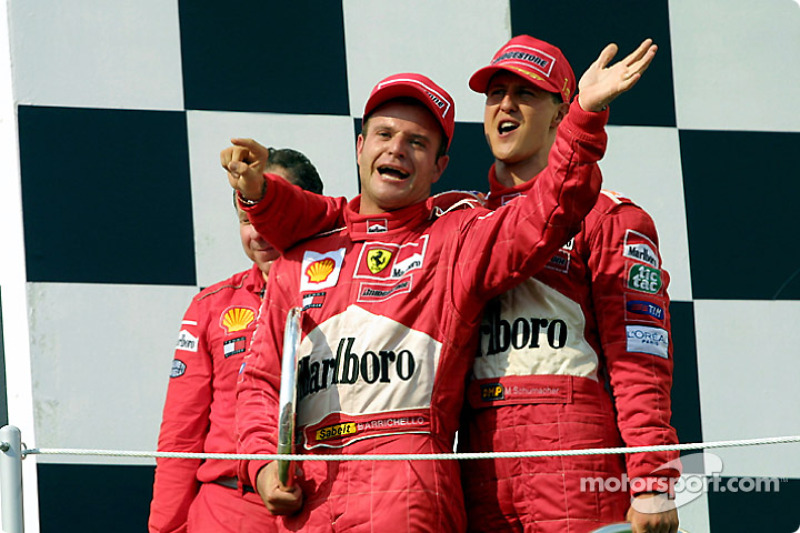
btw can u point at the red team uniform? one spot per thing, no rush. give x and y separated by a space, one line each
392 308
578 356
199 415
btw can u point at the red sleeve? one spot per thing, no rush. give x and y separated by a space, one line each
289 214
629 290
184 425
526 232
258 389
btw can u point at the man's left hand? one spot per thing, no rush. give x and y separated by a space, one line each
653 513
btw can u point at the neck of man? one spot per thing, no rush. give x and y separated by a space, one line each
512 174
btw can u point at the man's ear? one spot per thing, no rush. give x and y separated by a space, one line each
441 164
558 116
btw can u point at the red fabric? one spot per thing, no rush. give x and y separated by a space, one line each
218 509
393 302
199 409
580 308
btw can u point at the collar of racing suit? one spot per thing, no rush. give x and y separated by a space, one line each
499 194
371 227
254 282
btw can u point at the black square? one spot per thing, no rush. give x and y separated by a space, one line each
741 197
106 196
685 384
582 28
759 508
284 57
470 160
80 497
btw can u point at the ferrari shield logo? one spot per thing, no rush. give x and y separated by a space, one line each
378 259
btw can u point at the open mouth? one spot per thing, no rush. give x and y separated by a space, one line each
392 172
506 126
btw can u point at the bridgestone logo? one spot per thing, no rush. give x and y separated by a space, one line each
523 56
348 368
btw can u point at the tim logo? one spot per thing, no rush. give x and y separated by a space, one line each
492 392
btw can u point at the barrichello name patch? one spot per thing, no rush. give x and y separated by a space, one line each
340 429
320 270
186 342
640 248
646 339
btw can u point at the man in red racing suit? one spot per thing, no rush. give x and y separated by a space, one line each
190 495
576 357
392 302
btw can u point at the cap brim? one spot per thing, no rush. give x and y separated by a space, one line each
479 82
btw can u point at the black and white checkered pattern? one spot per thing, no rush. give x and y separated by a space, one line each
124 106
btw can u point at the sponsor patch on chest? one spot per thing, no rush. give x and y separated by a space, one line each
236 318
320 270
385 261
340 429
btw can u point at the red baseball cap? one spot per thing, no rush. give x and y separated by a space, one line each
420 88
535 61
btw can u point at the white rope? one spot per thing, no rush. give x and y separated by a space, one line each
417 456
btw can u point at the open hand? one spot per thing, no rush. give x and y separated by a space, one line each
601 83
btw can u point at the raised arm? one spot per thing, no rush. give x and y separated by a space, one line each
283 217
519 238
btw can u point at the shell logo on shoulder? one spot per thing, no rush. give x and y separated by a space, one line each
236 319
320 270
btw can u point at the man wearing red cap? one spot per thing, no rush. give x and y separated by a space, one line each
576 357
392 302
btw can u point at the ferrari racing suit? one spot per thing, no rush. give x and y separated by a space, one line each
392 304
190 494
578 356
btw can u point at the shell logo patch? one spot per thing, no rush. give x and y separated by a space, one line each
378 259
236 319
319 271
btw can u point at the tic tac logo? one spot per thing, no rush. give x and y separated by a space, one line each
378 259
236 319
320 270
642 278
